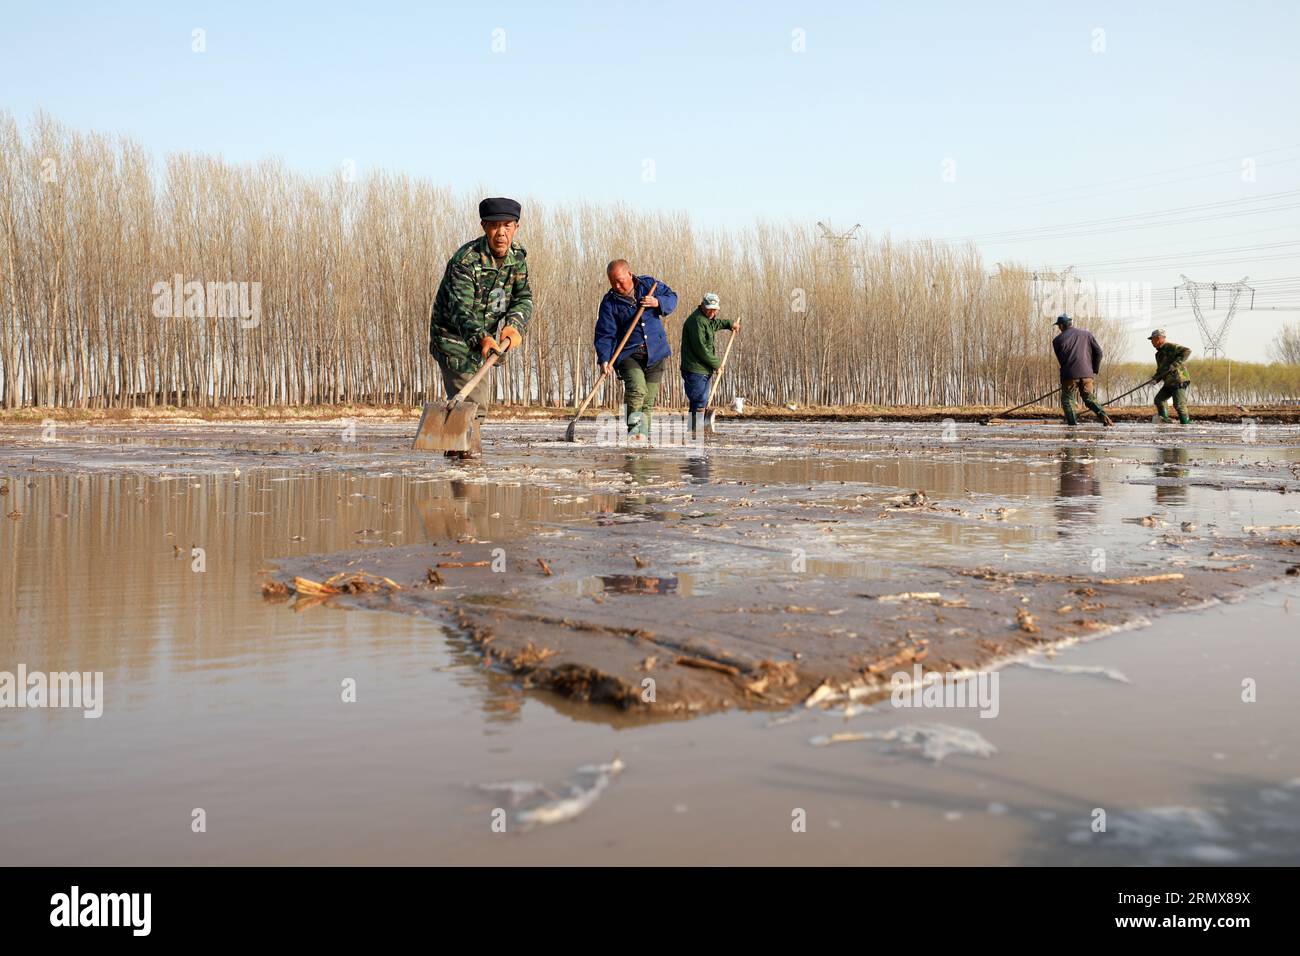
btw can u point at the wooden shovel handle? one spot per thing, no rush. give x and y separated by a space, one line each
726 353
604 372
477 377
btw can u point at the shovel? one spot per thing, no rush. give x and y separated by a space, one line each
571 433
708 402
1129 392
453 425
1032 401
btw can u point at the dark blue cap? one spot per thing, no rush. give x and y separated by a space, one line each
498 210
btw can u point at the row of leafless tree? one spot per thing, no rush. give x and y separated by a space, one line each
1285 347
345 273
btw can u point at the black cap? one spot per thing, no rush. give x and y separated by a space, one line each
498 210
1062 320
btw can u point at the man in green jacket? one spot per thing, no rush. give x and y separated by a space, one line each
1172 374
483 304
699 356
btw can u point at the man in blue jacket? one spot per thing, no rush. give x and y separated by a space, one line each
1079 355
640 364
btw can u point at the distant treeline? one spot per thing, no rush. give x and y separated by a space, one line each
1214 382
317 290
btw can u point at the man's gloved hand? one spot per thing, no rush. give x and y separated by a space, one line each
510 338
488 346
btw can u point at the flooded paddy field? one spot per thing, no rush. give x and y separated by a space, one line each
683 654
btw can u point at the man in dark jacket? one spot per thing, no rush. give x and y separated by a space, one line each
699 356
1079 355
640 364
1171 372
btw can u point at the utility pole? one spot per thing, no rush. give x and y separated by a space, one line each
1214 339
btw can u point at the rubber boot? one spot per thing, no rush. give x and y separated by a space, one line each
634 422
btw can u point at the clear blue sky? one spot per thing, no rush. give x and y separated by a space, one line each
1044 132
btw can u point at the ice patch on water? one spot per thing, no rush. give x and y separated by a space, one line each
1091 670
518 789
590 781
931 741
1173 832
1275 795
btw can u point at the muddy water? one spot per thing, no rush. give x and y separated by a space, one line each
218 699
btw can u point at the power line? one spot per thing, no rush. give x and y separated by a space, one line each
1199 253
1215 210
1218 235
1127 179
1199 263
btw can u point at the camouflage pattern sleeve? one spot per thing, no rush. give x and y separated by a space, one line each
465 316
521 298
1169 362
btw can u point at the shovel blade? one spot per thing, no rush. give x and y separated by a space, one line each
449 426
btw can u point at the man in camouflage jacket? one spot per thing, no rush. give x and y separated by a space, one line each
484 302
1172 374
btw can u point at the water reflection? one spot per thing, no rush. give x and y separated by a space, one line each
1172 464
638 584
642 468
1078 489
698 470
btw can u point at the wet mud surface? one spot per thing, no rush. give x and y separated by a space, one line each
766 563
500 621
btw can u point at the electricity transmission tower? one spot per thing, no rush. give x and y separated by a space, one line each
1039 282
1062 279
1214 339
829 233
